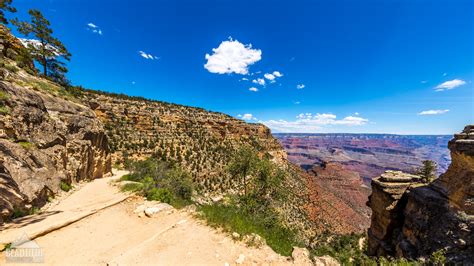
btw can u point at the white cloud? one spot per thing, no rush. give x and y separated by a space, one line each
433 112
273 76
232 57
424 81
247 117
277 74
244 79
297 102
450 84
94 28
300 86
445 74
253 89
307 122
37 44
270 77
148 56
259 81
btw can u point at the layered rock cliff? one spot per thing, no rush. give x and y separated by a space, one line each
45 139
411 219
201 141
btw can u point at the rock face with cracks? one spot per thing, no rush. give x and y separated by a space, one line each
411 219
45 141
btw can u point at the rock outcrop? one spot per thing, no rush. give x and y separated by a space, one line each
45 140
414 220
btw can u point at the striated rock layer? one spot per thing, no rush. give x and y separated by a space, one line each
411 219
45 139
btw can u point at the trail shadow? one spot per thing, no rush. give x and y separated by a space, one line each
27 220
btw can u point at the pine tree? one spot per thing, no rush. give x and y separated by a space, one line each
243 164
427 171
45 49
5 6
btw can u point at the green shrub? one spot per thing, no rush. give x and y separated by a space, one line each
26 145
233 218
438 257
159 194
3 96
17 213
161 181
4 110
11 68
65 186
132 187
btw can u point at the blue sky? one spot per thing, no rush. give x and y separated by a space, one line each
367 66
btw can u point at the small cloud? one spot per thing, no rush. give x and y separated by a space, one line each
244 79
292 59
94 28
232 57
356 113
148 56
133 83
300 86
270 77
247 117
424 81
277 74
253 89
445 74
259 81
273 76
297 102
450 84
433 112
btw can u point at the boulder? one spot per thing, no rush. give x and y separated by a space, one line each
154 210
254 240
301 256
325 261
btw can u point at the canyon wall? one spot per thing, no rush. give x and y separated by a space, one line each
412 219
45 140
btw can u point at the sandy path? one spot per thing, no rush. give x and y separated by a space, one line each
117 236
113 234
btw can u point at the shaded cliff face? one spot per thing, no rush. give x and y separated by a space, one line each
414 220
44 139
349 190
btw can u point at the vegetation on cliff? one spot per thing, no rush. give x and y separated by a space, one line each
161 181
254 209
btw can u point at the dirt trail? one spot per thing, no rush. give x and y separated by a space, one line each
115 235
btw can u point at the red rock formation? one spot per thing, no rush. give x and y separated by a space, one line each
412 220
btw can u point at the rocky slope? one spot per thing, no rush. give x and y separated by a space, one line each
411 219
201 141
47 137
348 188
